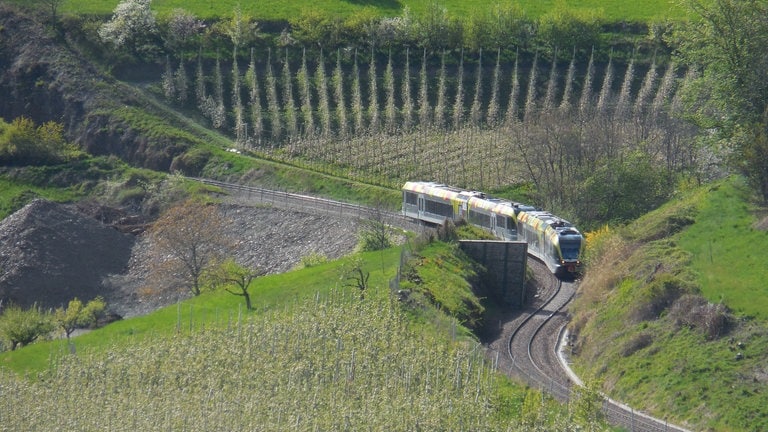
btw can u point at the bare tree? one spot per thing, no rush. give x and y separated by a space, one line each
188 239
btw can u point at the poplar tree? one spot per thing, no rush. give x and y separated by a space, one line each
374 120
585 100
475 112
492 115
217 117
305 93
530 98
389 104
510 117
425 110
169 88
338 93
254 100
458 101
605 90
441 96
566 102
182 83
237 103
357 99
292 126
407 101
273 105
324 109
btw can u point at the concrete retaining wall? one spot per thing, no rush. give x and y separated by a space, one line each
505 262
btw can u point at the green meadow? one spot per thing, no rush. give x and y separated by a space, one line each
613 10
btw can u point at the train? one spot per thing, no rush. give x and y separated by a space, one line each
551 239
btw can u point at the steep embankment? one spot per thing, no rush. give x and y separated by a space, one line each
666 334
43 79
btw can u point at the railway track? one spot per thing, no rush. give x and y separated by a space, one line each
532 338
534 344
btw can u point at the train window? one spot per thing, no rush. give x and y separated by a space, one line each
570 249
501 222
411 198
478 218
438 208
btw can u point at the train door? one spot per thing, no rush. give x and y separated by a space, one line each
421 205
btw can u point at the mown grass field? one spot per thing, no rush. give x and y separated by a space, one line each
613 10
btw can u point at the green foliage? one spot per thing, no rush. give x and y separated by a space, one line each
191 162
313 259
20 327
754 162
281 10
232 277
24 143
374 235
727 251
77 315
726 41
301 369
623 189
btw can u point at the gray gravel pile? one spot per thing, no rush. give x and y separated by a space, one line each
50 253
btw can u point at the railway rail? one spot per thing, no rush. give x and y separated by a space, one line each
532 347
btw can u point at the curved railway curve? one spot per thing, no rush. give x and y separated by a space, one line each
528 342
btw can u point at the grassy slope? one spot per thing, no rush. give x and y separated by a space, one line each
729 255
614 10
649 361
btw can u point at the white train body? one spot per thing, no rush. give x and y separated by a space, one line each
551 239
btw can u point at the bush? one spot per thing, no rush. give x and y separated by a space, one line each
19 327
24 143
694 311
192 162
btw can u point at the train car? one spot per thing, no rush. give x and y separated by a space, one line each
551 239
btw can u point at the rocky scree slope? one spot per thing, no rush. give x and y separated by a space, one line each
51 253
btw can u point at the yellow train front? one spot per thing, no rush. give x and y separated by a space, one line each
553 240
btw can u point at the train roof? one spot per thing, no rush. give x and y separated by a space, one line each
440 190
545 221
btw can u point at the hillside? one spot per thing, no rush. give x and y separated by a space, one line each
671 315
46 80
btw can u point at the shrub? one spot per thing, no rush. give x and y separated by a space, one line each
21 327
694 311
24 143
